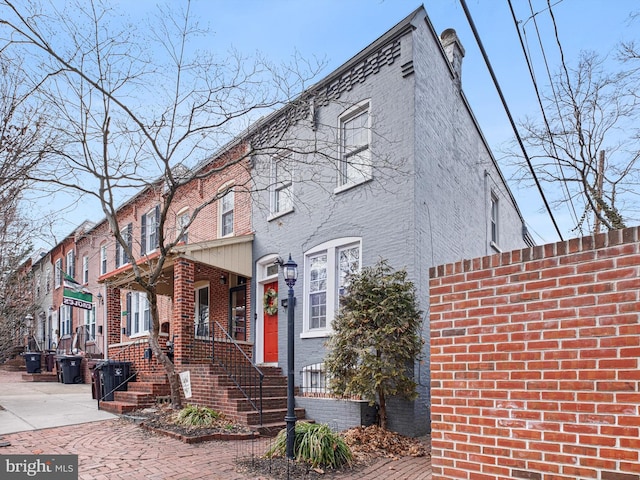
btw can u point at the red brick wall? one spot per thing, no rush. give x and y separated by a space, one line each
534 360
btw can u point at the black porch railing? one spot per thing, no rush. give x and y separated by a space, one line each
240 368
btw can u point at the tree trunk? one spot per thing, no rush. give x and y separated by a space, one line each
167 364
382 411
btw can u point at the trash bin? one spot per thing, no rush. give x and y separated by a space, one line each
71 371
32 361
114 377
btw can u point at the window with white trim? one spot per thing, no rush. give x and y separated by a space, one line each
355 142
182 221
149 230
226 214
140 314
71 264
281 186
494 219
202 311
66 320
103 259
90 323
85 269
57 275
327 267
122 257
47 280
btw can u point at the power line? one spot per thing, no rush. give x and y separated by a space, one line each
508 112
537 91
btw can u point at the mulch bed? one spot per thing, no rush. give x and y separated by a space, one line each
160 420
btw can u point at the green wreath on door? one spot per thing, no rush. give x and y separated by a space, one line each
270 302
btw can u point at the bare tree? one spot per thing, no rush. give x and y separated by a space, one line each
131 108
589 142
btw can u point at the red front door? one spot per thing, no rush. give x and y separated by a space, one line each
271 324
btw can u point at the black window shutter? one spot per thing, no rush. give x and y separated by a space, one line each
128 313
143 234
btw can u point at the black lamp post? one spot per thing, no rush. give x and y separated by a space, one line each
290 273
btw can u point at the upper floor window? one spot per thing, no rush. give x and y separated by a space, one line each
47 281
85 269
202 311
281 186
355 140
57 275
149 230
226 214
327 268
103 259
494 219
122 258
71 264
182 221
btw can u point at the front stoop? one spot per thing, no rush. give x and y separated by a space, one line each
40 377
137 396
228 399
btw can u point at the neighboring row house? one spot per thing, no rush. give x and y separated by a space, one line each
399 170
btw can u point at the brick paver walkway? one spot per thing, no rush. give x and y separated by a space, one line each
118 449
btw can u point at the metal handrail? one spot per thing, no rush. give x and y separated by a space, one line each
240 368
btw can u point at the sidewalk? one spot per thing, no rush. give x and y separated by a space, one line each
118 449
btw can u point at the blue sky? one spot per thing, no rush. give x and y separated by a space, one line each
337 29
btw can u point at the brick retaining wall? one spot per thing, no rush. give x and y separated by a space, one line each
534 361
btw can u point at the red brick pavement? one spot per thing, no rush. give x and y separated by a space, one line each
118 449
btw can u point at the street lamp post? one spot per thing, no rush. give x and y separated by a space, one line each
290 273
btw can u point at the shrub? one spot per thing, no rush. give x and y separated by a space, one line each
195 416
315 444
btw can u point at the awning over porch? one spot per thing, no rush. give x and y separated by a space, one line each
233 254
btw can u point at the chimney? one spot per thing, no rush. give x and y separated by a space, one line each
455 52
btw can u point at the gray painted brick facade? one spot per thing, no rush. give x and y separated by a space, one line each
428 202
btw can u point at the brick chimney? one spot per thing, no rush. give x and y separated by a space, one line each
455 52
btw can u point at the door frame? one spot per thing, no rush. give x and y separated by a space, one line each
263 277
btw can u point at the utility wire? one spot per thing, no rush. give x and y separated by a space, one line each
537 90
506 108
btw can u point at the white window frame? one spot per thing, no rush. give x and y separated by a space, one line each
71 264
182 218
151 230
334 283
66 320
140 314
494 221
281 187
57 273
85 269
103 259
90 323
227 209
349 173
48 281
199 313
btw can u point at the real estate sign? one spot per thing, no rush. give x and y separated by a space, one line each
76 295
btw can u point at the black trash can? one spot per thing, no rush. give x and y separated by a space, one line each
114 377
32 361
71 371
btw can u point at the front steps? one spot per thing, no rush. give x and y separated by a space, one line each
40 377
222 395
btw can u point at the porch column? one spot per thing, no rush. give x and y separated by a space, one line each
113 316
183 310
